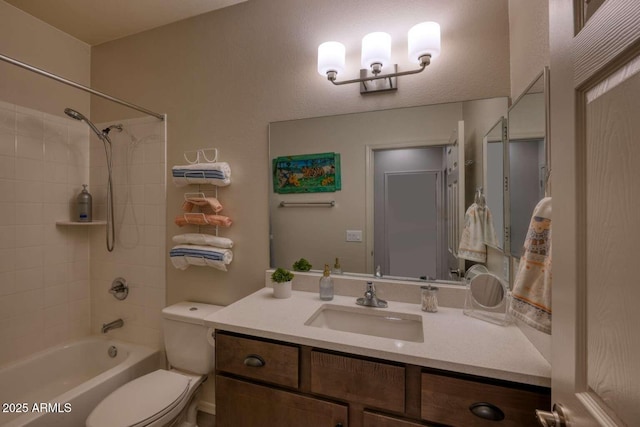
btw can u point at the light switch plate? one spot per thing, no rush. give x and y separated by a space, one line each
354 236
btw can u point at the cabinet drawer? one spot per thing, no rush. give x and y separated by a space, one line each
448 400
379 385
378 420
242 404
260 360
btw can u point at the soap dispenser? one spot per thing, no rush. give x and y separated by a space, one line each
84 202
336 267
326 285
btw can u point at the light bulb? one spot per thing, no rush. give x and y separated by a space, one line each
424 39
376 49
331 58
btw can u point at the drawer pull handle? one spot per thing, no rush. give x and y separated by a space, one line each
339 425
487 411
254 361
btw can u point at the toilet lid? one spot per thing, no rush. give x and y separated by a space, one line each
143 399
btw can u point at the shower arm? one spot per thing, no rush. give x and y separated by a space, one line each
78 85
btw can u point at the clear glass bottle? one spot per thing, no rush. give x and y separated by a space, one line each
326 285
336 267
429 298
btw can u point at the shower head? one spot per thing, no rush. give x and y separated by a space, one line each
78 116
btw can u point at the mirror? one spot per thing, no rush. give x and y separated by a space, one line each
527 159
493 168
487 296
423 147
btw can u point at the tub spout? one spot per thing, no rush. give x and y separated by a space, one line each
106 327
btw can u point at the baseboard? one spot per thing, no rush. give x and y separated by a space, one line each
209 408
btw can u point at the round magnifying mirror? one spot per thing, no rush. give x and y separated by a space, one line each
487 290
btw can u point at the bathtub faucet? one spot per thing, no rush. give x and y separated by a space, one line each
106 327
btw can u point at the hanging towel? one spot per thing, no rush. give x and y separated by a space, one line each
531 296
472 246
218 173
203 239
208 205
489 231
182 256
202 219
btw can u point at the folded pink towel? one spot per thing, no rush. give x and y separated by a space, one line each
202 219
208 205
531 296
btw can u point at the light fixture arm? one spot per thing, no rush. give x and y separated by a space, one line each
424 61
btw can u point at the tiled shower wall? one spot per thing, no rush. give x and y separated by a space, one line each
139 167
44 268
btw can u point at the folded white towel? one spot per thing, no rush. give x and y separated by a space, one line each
218 173
531 296
203 239
184 255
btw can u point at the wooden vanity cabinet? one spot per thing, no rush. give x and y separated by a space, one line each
262 383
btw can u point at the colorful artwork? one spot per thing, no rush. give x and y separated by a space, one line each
307 173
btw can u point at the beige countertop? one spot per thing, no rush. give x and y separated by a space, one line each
452 341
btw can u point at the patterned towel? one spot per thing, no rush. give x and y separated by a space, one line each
531 296
218 173
477 226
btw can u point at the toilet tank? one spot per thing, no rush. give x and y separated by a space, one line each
185 336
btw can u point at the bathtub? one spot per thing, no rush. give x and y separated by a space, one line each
60 386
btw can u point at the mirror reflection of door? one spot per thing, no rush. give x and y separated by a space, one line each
409 220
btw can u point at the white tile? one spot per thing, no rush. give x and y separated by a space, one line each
55 173
7 236
7 190
54 255
29 279
56 151
31 257
30 147
8 118
7 283
55 192
7 213
29 170
154 152
29 235
155 298
55 315
79 270
7 259
79 309
55 295
29 191
153 173
57 274
29 214
154 195
7 167
30 124
154 235
55 131
7 143
79 290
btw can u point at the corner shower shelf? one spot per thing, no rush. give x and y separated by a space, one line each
81 223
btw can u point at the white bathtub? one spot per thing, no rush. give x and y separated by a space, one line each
67 381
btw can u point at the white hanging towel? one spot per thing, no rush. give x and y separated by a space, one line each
182 256
472 246
531 296
203 239
217 173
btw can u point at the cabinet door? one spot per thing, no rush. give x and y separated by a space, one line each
243 404
377 420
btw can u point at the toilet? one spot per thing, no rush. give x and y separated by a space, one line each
165 397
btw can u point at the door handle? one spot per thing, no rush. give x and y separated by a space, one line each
555 418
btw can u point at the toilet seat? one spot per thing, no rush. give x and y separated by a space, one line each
141 401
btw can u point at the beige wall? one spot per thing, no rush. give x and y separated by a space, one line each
30 40
223 76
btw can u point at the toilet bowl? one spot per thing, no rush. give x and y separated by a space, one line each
165 397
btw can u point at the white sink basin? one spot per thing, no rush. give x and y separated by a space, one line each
368 321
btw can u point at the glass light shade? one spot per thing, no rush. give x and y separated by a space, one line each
376 48
331 58
424 38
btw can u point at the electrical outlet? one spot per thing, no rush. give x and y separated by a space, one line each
354 236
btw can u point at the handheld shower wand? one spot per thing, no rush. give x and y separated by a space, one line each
104 137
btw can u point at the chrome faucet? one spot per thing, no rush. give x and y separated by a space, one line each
106 327
370 299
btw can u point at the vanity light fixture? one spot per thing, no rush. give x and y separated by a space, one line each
423 46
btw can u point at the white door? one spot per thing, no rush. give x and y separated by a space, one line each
595 172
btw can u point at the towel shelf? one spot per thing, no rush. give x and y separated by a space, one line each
74 223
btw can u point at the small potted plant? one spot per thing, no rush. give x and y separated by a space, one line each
281 281
301 265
